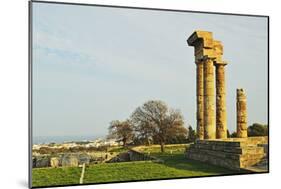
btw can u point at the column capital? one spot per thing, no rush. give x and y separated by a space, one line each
241 95
198 61
204 58
220 63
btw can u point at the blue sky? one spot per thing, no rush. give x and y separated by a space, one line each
92 65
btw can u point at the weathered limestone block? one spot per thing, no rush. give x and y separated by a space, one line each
201 39
199 53
69 161
221 119
209 100
241 108
230 153
42 161
200 99
84 158
55 162
218 50
265 148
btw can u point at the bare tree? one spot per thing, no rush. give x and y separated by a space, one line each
121 131
143 133
155 119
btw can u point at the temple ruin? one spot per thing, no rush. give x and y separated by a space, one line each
211 106
212 145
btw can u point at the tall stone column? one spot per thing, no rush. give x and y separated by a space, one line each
209 99
202 41
241 108
200 99
221 119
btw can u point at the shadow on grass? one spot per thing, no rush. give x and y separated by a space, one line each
178 161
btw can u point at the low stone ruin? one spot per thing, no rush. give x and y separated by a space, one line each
65 160
130 155
69 161
232 153
76 159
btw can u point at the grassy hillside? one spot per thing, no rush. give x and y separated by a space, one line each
174 166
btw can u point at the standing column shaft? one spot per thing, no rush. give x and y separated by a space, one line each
209 100
200 99
241 107
221 120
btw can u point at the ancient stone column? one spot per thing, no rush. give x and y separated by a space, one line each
221 120
200 99
209 99
241 108
202 41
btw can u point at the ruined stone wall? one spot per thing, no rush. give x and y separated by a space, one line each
233 153
64 160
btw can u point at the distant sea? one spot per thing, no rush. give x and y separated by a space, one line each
61 139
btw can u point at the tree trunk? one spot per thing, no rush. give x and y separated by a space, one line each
124 142
147 141
162 146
